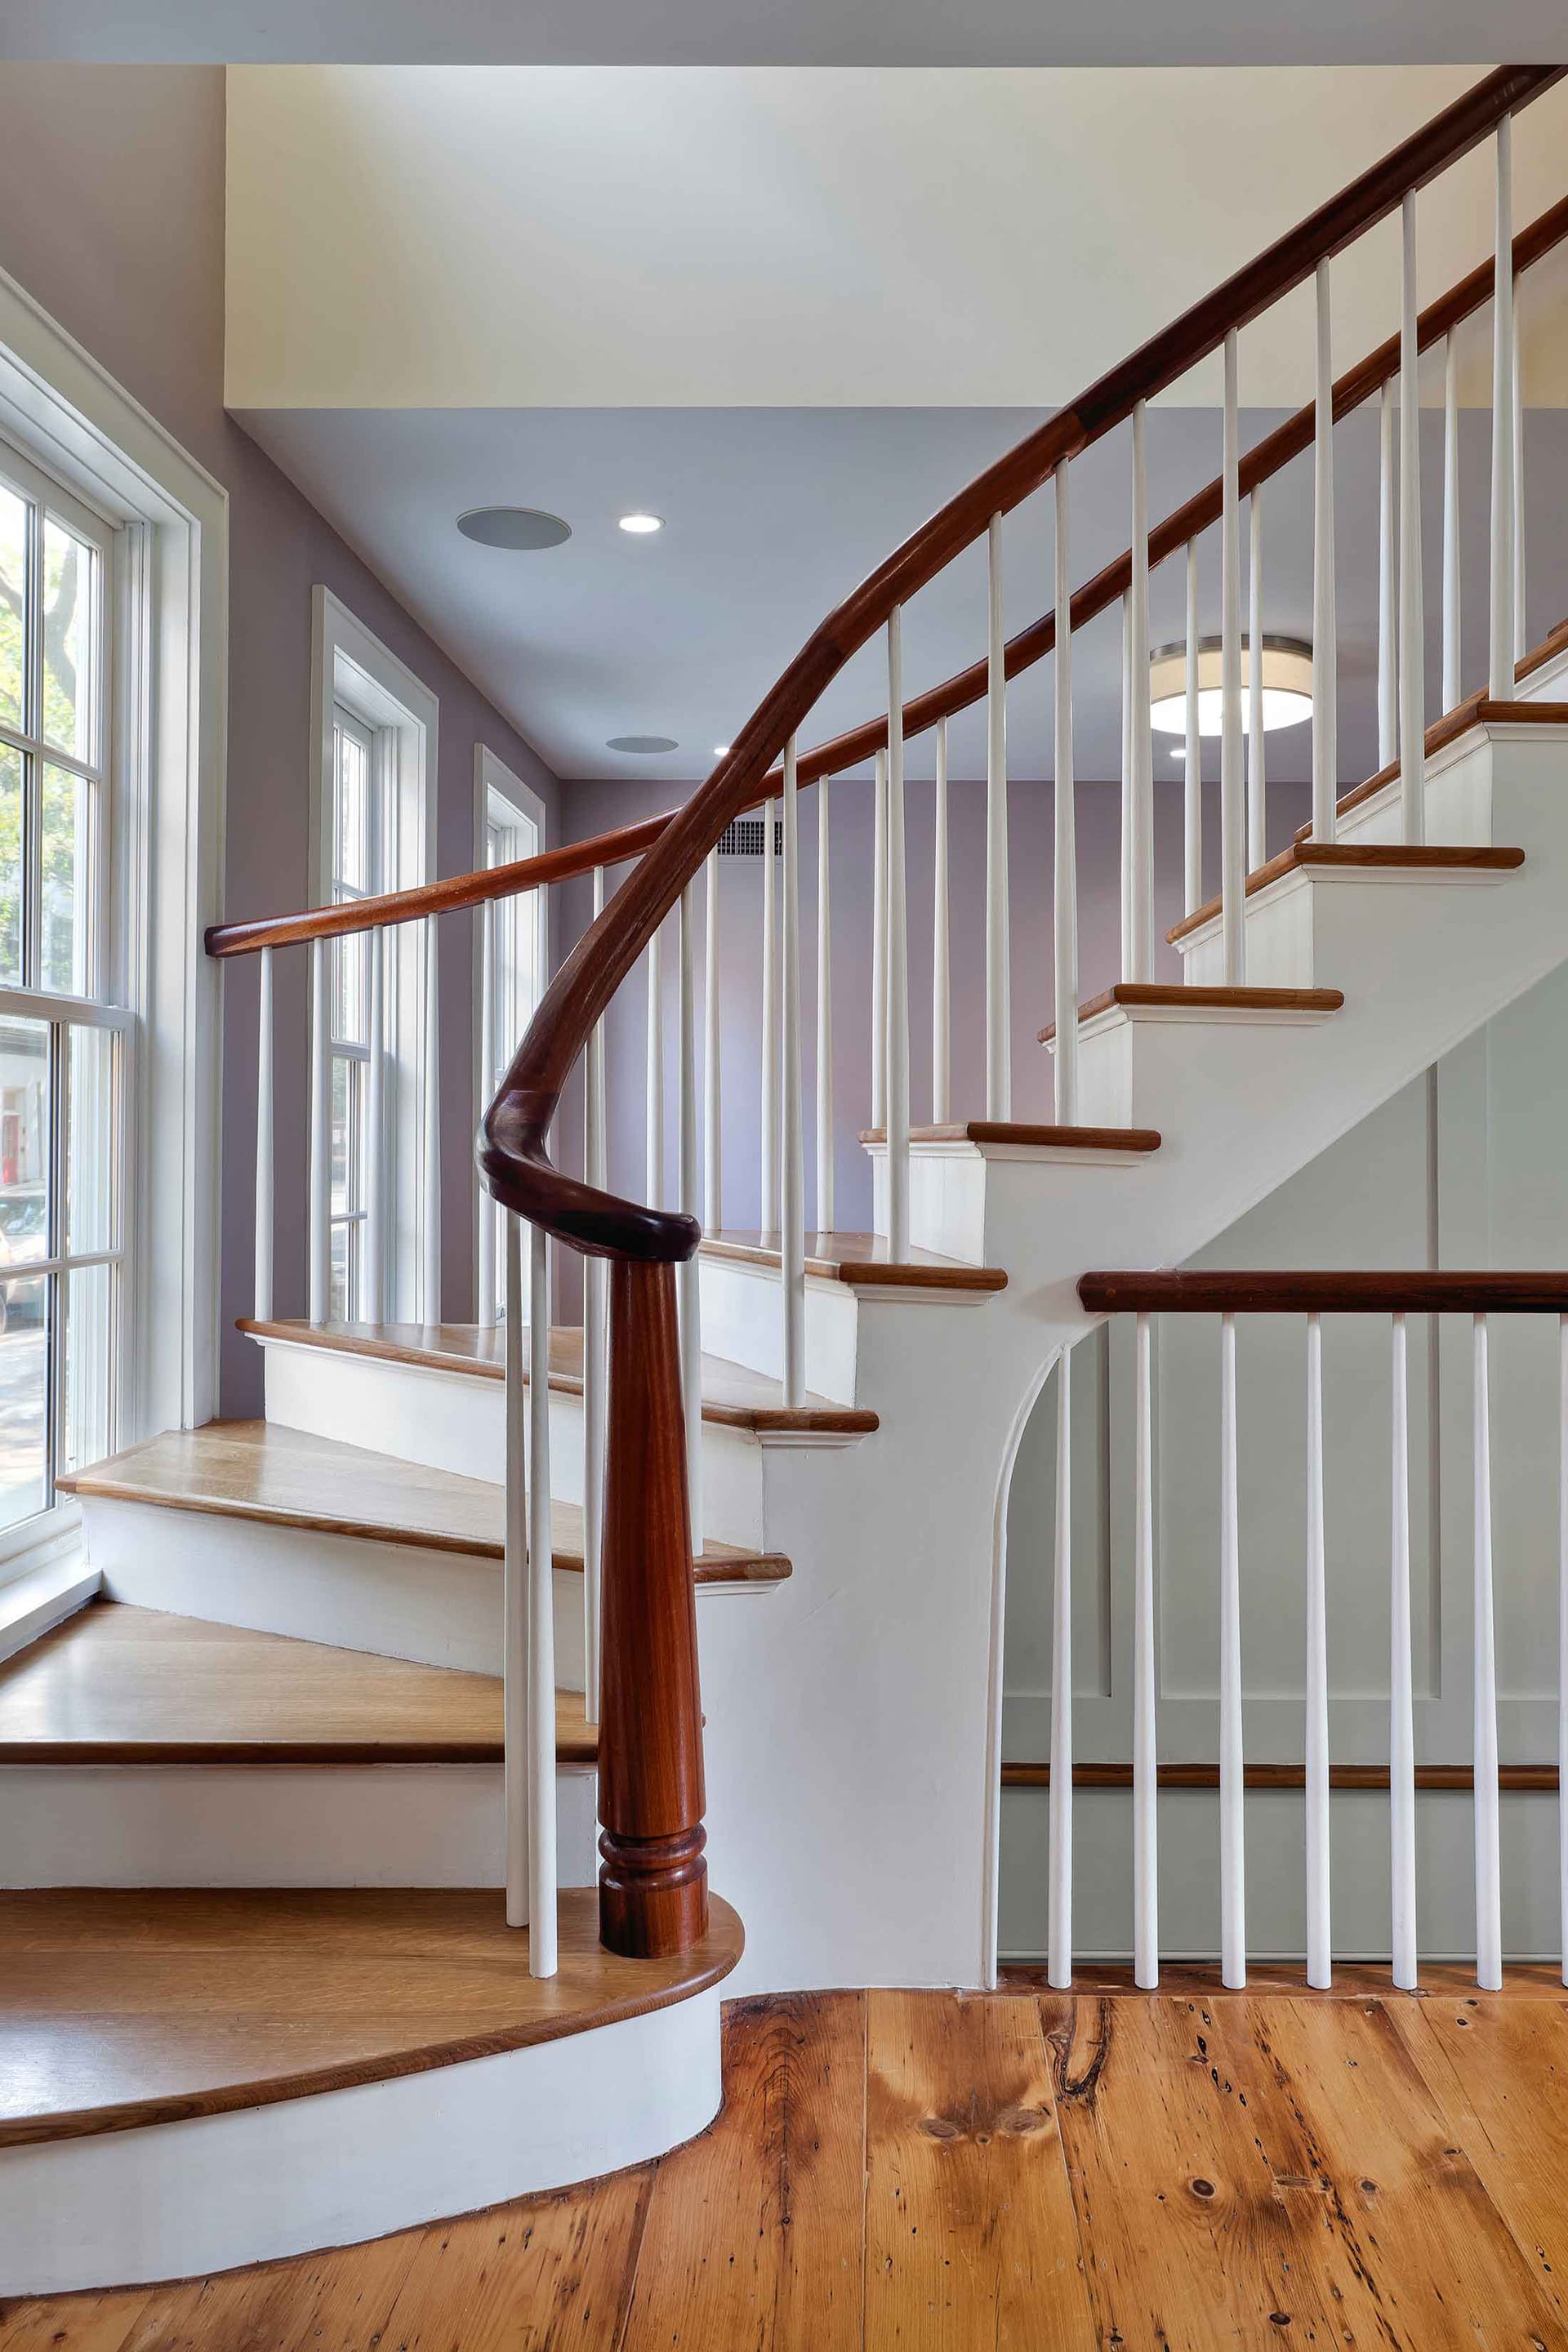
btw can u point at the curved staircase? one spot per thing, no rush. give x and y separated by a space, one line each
311 1708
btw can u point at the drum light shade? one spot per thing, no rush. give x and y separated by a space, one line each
1286 685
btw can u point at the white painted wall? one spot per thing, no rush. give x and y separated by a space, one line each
709 235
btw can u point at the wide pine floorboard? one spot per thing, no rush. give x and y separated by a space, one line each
1021 2171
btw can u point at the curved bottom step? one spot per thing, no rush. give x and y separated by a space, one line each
194 2081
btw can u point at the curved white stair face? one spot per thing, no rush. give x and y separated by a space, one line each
277 1825
741 1319
178 2200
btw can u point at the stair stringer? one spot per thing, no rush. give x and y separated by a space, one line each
852 1734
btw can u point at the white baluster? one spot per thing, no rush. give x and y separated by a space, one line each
1233 811
430 1305
596 1366
1452 667
768 1148
941 953
1145 1753
792 1187
1402 1706
895 938
1058 1934
1563 1636
1232 1779
1325 654
1129 946
1064 909
319 1239
1489 1833
1192 776
515 1742
653 1082
1520 617
1387 588
712 1099
824 1137
1142 748
1412 599
373 1270
689 1279
1319 1942
485 1265
1257 791
998 948
880 945
1500 660
541 1622
262 1307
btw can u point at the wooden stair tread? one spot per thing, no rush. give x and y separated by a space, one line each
1376 856
733 1397
1177 997
117 1684
860 1260
1021 1133
129 2007
286 1477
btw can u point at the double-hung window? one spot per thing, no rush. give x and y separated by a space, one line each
359 846
61 1041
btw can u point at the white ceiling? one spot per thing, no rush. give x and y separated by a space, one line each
773 515
555 237
786 32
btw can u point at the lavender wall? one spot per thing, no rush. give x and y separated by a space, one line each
111 216
597 807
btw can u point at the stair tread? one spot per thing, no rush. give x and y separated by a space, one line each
120 1685
1177 997
286 1477
131 2007
733 1396
1394 857
860 1260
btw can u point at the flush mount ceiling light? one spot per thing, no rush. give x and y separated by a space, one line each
643 745
639 525
521 529
1286 685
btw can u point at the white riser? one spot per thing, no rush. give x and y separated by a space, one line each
742 1319
452 1421
1297 930
278 1826
179 2199
400 1600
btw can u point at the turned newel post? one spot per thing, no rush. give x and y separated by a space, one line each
653 1885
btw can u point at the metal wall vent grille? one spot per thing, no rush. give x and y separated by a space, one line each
743 838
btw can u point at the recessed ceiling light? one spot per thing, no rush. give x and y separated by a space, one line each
518 527
721 750
639 525
644 745
1178 751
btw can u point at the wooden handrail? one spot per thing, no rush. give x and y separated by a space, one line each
965 687
458 890
512 1150
1336 1292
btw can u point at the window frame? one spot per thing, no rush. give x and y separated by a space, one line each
498 789
351 671
160 850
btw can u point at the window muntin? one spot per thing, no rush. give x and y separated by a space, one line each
61 1254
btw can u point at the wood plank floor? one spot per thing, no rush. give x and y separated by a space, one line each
1018 2171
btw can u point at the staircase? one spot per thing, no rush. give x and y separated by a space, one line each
326 1689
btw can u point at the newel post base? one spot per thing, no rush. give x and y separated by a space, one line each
653 1885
